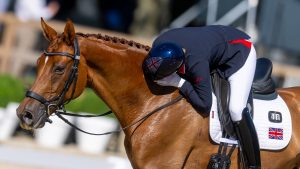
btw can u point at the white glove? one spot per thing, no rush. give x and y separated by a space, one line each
172 80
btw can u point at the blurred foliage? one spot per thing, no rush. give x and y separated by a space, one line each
88 102
11 90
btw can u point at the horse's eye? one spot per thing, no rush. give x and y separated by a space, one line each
59 70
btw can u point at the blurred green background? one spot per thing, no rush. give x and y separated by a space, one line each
13 90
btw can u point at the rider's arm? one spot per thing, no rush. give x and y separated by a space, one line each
198 90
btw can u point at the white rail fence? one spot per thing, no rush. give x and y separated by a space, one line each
17 45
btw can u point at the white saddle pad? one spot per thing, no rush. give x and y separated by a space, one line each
272 121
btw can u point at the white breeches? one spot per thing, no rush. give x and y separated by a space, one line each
240 86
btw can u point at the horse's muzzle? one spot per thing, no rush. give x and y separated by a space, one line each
32 116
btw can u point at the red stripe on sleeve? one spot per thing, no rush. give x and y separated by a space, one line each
242 41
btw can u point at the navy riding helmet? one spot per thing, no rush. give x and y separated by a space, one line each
163 60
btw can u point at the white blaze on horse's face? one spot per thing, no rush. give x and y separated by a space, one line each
46 60
45 63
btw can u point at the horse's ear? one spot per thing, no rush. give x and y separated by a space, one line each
69 33
49 33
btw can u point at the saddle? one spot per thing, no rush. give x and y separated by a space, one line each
263 88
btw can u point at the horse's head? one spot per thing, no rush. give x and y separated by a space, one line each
60 77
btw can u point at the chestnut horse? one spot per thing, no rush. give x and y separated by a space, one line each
175 137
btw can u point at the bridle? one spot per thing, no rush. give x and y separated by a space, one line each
58 101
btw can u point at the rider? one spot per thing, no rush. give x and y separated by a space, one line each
185 57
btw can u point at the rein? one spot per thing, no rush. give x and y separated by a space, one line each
58 101
59 114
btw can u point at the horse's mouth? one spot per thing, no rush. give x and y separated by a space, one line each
41 121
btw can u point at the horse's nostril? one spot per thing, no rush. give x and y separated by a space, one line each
28 118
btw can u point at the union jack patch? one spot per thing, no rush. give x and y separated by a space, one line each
153 63
275 133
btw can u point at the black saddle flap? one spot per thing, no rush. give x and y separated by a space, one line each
221 89
263 83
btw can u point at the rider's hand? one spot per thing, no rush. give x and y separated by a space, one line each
171 80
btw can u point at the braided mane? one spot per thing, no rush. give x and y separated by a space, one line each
115 40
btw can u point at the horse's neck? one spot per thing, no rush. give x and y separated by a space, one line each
115 73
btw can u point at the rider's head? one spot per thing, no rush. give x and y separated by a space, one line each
163 60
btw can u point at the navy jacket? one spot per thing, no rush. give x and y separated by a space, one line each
207 48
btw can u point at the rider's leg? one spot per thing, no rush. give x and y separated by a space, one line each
240 85
247 136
